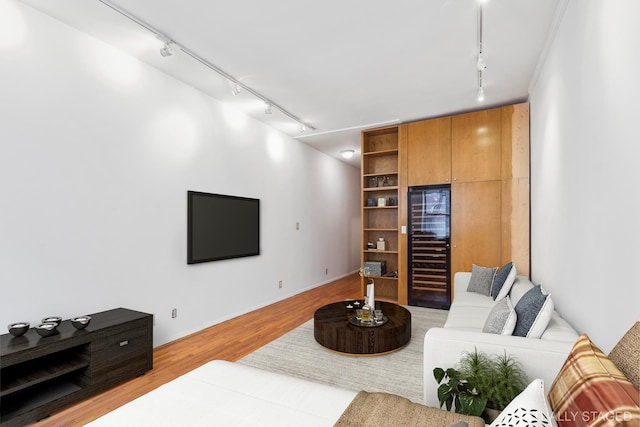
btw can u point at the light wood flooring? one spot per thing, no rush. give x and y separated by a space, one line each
230 340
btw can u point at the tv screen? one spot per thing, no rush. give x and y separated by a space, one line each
221 227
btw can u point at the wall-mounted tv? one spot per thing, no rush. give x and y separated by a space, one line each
221 227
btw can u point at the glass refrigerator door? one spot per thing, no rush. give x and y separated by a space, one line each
429 210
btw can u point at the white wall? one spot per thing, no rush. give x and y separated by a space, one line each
98 151
585 184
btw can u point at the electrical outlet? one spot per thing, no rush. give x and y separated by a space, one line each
174 313
280 284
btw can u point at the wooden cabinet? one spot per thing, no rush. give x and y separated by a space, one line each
42 375
380 179
476 146
475 225
429 152
488 151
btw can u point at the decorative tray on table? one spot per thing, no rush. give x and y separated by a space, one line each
368 324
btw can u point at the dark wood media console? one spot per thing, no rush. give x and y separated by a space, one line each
42 375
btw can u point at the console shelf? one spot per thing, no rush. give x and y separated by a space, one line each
42 375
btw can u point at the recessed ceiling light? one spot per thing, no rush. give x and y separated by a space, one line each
347 154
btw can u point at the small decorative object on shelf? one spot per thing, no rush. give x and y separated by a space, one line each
382 201
385 181
393 201
18 329
374 181
374 268
371 202
80 322
52 319
380 244
371 245
47 329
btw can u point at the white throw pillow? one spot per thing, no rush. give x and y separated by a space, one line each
501 319
529 408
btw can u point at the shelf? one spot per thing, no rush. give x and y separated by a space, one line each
380 207
387 188
375 251
41 370
381 277
395 230
41 395
380 153
370 175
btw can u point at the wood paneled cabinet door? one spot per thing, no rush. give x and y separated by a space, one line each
476 141
429 152
475 225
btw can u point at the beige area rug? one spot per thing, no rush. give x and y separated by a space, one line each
298 354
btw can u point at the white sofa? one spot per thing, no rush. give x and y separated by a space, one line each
230 394
462 332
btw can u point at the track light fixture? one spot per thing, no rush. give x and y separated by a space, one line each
235 90
268 109
170 45
481 65
167 49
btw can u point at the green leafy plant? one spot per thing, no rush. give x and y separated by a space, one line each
507 381
456 391
479 382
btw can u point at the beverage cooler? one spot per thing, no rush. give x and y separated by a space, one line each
429 246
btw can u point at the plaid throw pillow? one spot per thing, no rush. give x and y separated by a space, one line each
590 391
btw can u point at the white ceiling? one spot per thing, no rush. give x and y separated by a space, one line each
340 65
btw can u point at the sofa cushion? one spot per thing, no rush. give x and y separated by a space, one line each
481 279
626 355
503 281
502 318
590 390
533 313
529 408
520 287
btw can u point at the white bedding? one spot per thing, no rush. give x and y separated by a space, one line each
222 393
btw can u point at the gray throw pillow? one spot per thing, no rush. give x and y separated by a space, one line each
481 279
503 281
502 318
533 313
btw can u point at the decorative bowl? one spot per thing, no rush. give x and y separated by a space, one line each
52 319
18 329
46 329
81 322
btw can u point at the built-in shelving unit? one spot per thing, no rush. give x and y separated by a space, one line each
380 184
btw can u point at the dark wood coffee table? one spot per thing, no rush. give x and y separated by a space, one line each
332 329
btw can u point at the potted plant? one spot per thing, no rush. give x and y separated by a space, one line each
457 392
481 385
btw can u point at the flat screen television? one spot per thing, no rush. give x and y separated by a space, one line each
221 227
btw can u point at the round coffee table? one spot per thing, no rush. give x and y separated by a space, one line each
332 329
